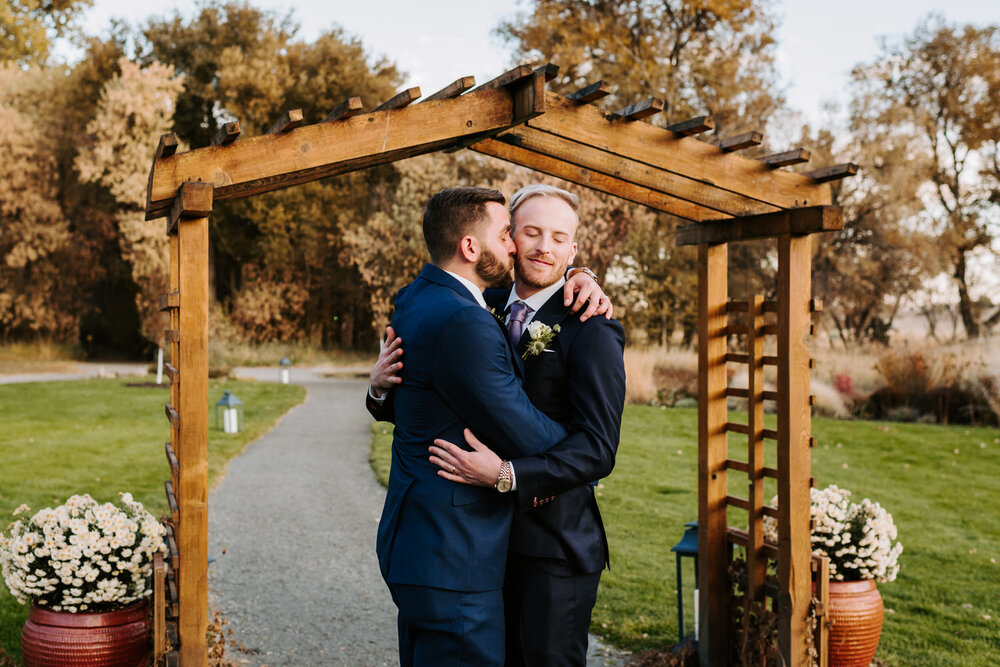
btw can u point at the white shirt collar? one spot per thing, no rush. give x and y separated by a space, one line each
477 293
536 300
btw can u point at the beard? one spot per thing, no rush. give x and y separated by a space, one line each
523 272
492 269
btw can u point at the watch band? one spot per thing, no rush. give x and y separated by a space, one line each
590 273
504 480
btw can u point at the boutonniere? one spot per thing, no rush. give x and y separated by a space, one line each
541 335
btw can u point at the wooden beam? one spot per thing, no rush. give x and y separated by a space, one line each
167 145
550 71
171 458
689 157
713 585
159 607
172 373
640 173
591 93
171 336
510 76
400 100
195 199
192 454
794 156
529 101
755 559
793 455
692 126
453 89
227 134
595 180
289 121
172 415
741 141
797 222
833 173
169 300
274 161
640 110
349 107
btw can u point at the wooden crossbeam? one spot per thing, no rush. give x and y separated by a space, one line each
171 458
794 156
349 107
227 134
171 500
172 373
692 126
289 121
595 180
172 552
640 173
193 200
172 336
640 110
833 173
170 300
591 93
400 100
172 415
167 145
507 78
159 607
274 161
453 89
797 222
550 71
693 159
741 141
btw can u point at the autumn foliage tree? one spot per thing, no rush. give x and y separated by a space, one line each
938 90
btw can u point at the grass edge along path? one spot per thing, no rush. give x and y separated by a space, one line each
938 482
102 437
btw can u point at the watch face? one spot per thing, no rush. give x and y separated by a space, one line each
504 484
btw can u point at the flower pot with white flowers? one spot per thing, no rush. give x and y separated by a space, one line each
86 569
860 541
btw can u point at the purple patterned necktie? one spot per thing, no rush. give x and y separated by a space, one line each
518 312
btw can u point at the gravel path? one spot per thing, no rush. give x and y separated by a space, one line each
292 528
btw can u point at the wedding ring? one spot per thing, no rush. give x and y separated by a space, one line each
453 470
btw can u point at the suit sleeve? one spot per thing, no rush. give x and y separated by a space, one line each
596 384
476 379
382 412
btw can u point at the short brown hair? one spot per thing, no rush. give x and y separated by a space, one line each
452 214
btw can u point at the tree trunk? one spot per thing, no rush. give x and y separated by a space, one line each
964 302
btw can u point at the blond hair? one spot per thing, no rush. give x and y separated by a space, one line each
542 190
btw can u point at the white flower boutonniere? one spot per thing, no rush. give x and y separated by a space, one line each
541 335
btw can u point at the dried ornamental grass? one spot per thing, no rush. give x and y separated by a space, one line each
82 556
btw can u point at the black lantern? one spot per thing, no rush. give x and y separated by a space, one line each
688 546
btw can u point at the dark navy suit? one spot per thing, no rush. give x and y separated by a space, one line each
558 546
442 545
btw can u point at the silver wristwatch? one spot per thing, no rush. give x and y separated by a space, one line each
504 480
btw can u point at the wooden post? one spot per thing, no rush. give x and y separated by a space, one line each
756 560
794 420
189 221
713 277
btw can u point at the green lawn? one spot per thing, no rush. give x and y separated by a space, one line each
102 437
939 482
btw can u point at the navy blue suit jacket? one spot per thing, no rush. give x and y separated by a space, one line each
461 371
581 384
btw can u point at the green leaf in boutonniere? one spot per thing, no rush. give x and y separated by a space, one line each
541 335
494 313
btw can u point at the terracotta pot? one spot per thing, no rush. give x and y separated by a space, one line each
856 617
87 639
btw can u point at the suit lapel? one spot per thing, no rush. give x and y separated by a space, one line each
551 313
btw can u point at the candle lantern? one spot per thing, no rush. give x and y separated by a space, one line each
229 412
687 548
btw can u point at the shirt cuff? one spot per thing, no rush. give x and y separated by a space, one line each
513 478
378 399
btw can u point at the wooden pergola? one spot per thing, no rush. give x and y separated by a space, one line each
727 198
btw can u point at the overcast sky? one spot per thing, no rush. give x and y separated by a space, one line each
437 41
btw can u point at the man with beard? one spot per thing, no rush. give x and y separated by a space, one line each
574 373
442 547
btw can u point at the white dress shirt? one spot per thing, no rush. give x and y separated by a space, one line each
535 301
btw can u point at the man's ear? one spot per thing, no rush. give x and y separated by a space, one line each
572 255
468 248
